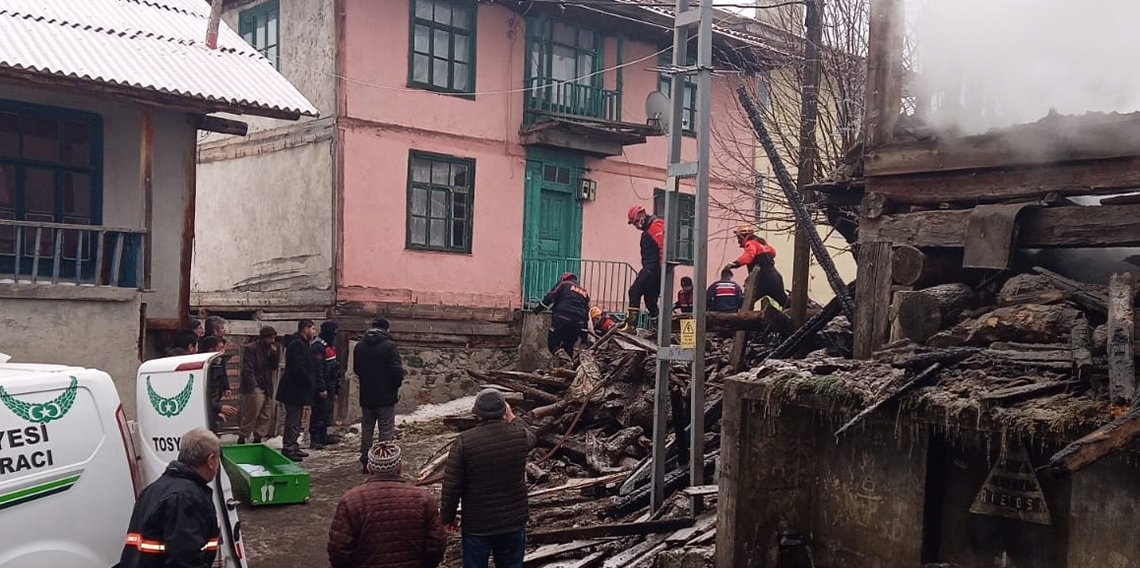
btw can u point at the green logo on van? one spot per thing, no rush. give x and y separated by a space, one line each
170 407
42 412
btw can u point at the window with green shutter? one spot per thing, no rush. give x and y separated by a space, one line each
687 203
442 50
689 94
260 26
441 193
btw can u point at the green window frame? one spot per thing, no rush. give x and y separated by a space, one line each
441 199
563 70
689 104
441 45
51 171
687 203
260 27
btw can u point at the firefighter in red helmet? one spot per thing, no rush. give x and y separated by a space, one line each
759 256
646 286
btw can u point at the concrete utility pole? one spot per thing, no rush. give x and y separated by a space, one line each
686 18
809 120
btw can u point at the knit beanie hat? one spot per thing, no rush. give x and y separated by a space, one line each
490 404
384 457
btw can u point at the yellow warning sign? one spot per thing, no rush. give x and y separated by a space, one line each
688 333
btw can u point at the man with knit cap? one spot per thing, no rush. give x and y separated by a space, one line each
486 471
386 522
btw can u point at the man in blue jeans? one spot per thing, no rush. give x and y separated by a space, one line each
486 470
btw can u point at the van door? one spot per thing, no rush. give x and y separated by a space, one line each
172 398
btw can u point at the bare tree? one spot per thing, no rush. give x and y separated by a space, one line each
754 197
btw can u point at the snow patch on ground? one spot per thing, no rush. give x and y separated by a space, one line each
429 412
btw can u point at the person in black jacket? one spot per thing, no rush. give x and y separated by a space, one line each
328 385
217 382
174 524
376 362
647 284
569 305
298 385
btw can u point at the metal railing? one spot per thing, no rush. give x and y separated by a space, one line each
58 253
551 96
607 281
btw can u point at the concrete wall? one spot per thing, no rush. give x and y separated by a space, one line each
264 221
97 335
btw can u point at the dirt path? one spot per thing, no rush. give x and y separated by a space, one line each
291 536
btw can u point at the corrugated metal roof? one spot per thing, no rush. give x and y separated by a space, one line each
145 45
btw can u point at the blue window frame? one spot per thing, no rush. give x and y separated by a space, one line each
260 26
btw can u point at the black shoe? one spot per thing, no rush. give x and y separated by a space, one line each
316 446
241 440
294 457
301 453
257 439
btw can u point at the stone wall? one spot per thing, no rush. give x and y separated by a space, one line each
434 374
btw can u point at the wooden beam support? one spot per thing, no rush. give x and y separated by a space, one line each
1099 226
872 298
740 338
1107 439
1121 339
998 185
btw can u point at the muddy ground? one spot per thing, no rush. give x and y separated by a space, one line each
291 536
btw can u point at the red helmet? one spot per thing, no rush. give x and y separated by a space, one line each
567 276
634 212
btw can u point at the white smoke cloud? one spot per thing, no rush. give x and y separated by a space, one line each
990 63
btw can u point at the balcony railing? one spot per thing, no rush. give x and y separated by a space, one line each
607 281
57 253
553 97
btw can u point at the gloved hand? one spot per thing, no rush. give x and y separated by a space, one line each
731 266
537 309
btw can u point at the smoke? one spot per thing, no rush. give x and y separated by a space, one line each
982 64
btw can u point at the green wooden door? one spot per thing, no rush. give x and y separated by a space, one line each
552 233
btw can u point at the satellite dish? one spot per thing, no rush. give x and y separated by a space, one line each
658 110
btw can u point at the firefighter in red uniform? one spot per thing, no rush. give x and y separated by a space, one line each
569 305
647 285
760 256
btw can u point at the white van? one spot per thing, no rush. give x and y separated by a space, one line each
71 464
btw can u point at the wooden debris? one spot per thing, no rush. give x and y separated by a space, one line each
1121 338
618 529
1017 394
912 266
921 314
1079 343
555 550
1084 294
579 484
740 338
1094 447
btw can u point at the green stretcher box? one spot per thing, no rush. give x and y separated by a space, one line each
260 475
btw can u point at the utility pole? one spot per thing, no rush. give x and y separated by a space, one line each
809 120
686 18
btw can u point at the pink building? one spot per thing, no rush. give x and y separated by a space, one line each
467 153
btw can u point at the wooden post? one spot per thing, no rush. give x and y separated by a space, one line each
884 72
872 298
740 339
809 118
1121 351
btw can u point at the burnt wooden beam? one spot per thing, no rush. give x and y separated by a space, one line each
1100 226
740 339
1044 142
883 96
221 125
1121 338
872 298
601 531
1111 437
1004 184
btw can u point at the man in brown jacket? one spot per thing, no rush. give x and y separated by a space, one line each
386 522
258 361
486 470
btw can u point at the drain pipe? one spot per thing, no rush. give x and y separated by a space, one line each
212 27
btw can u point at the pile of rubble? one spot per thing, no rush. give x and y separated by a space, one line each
590 471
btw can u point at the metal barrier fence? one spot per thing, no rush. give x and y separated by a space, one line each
57 253
607 281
